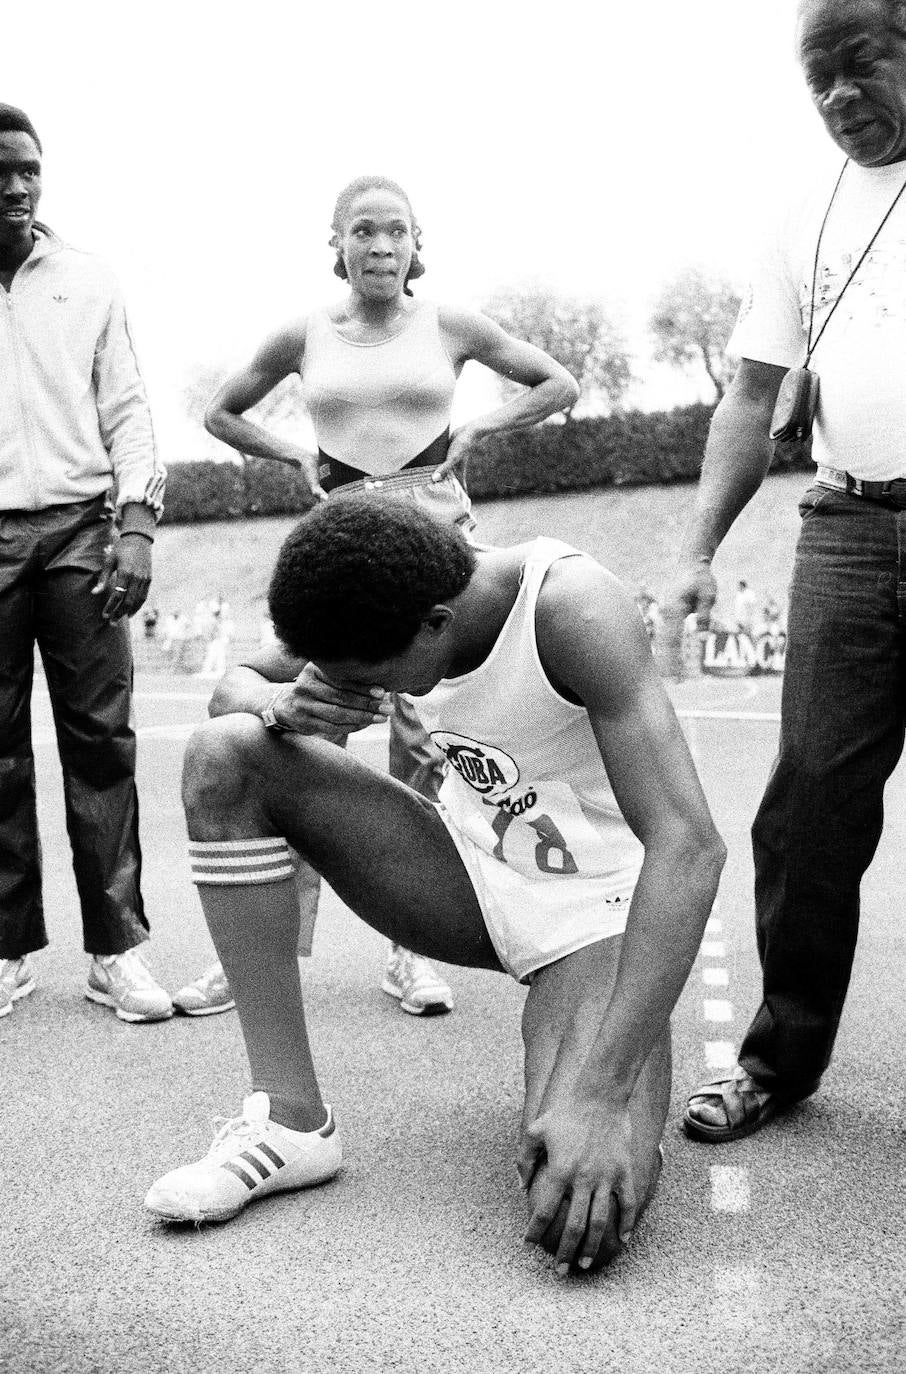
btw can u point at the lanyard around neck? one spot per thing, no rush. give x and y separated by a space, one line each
812 346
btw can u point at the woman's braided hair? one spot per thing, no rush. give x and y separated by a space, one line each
341 212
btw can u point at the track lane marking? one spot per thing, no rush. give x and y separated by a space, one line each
730 1190
720 1054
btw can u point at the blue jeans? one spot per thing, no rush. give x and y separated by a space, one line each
841 734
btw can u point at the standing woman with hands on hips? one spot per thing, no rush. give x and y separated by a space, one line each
378 372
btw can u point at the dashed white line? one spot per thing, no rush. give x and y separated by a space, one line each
715 977
718 1010
759 717
714 949
713 926
720 1054
729 1188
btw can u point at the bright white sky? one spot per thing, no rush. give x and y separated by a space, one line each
200 147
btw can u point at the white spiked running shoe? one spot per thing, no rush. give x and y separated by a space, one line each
250 1157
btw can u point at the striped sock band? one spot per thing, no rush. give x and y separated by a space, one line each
224 862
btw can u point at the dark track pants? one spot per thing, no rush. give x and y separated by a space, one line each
49 562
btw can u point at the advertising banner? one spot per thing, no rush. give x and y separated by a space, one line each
730 653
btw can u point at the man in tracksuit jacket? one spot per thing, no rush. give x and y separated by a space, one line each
75 436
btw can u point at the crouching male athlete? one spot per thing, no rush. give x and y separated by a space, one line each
570 813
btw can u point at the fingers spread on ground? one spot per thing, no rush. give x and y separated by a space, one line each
569 1249
545 1197
626 1196
602 1216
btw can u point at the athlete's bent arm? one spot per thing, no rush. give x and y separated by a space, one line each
302 699
280 355
600 656
471 336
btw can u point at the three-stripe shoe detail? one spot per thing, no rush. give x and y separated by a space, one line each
250 1157
256 1162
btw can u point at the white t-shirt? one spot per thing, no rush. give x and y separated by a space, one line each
860 426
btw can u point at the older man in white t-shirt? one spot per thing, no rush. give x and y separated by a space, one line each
833 274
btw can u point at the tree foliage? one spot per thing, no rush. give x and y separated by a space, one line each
280 407
576 331
692 321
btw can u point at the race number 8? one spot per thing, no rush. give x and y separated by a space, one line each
551 853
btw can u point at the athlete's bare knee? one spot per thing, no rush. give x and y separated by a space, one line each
217 770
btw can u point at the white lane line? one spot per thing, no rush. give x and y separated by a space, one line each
715 977
720 1054
44 734
713 926
718 1010
41 694
714 949
729 1188
759 717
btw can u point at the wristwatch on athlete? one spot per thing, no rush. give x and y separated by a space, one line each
270 720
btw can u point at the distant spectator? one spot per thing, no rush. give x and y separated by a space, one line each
177 632
772 616
214 663
745 607
648 610
150 618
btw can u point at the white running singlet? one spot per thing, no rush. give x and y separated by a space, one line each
526 796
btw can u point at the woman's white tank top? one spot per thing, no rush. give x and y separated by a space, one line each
376 406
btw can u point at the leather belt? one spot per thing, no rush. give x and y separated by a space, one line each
889 493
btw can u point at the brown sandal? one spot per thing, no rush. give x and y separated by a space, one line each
747 1107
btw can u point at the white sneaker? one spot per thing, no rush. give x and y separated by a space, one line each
122 981
250 1157
415 983
207 995
16 980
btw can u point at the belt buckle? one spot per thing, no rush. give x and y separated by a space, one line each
835 478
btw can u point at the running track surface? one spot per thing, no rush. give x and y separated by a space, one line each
785 1252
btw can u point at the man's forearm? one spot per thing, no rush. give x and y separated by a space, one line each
737 458
672 901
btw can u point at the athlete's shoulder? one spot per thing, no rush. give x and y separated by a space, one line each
88 268
463 325
578 593
284 347
571 572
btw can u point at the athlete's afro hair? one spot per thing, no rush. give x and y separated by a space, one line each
357 576
16 121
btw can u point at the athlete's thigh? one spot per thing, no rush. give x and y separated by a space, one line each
383 848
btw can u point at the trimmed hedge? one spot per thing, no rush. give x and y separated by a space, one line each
636 448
